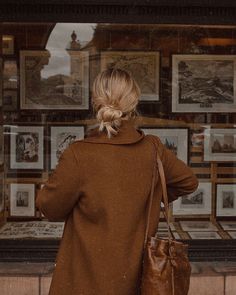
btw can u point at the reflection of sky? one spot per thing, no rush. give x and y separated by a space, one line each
58 41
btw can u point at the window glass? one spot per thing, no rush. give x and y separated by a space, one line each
188 98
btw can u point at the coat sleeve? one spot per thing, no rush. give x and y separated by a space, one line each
180 179
61 192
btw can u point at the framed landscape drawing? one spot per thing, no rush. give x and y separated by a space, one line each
22 199
26 147
143 65
46 86
197 203
61 138
175 139
220 144
226 200
204 83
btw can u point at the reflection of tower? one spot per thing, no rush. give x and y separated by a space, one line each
73 86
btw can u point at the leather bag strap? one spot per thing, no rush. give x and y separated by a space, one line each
158 166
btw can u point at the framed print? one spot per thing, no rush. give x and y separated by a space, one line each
162 226
143 65
228 225
47 85
1 82
198 226
1 194
197 138
197 203
7 44
165 235
32 229
10 74
26 147
232 234
220 144
210 235
203 83
1 148
61 138
9 100
226 200
22 199
175 139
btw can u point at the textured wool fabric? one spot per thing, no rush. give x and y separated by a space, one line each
100 188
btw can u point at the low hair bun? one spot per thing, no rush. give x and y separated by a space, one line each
109 119
115 97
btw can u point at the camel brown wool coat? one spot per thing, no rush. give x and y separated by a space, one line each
101 188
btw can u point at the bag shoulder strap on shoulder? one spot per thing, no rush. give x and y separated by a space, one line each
158 166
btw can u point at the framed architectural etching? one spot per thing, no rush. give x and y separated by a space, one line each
22 199
226 200
61 138
143 65
44 85
210 90
175 139
220 144
197 203
26 147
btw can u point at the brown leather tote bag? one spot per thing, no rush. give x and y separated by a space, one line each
166 268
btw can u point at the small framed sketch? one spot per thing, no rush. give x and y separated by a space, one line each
26 147
210 90
61 138
143 65
7 44
220 144
197 203
46 84
10 74
175 139
22 199
226 200
206 235
198 226
9 100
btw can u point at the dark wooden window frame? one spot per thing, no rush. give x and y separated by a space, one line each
211 12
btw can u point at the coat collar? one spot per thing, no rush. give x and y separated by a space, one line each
127 134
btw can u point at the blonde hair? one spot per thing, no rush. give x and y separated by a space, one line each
115 97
